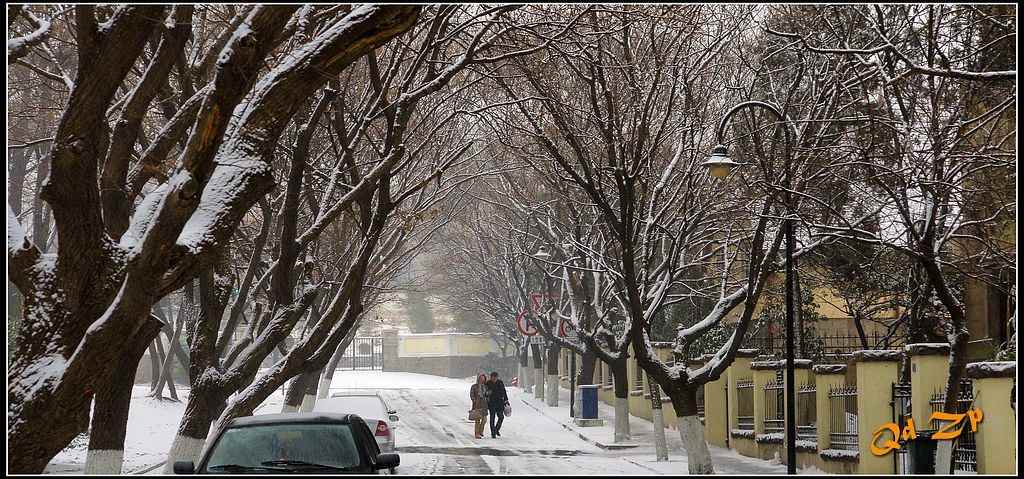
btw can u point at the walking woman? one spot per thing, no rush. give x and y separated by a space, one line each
478 399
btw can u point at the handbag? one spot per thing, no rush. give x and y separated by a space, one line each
508 410
475 414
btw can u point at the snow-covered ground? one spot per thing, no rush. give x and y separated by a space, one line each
434 435
151 427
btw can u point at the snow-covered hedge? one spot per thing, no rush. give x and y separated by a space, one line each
804 445
742 433
839 455
770 438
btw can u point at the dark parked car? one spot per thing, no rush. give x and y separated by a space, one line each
313 443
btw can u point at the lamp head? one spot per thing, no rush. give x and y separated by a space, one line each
719 164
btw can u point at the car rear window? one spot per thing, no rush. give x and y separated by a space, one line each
329 444
367 407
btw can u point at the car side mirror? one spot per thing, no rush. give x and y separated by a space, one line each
387 460
184 467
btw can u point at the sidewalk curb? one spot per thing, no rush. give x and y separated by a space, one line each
607 447
641 465
146 469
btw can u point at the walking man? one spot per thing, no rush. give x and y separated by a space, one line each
496 402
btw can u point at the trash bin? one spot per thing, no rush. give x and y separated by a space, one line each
588 401
922 453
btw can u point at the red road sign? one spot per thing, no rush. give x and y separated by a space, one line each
525 325
562 332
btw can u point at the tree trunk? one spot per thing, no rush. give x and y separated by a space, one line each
204 404
110 412
166 371
538 372
332 365
158 389
859 324
621 380
298 389
587 367
525 373
691 432
551 394
154 366
658 418
40 210
178 349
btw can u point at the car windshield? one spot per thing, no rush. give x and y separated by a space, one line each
367 407
328 444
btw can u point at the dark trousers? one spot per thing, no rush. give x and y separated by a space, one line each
498 413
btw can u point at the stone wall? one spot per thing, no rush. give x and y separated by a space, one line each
449 355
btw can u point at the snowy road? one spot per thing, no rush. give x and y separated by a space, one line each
435 436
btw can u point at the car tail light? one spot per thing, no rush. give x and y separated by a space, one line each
382 429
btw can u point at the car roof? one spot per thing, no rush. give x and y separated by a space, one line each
292 418
356 393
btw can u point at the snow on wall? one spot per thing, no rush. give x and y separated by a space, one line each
1000 369
779 364
742 433
839 455
877 355
770 438
920 349
804 445
829 369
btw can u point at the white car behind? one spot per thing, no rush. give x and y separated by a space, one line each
370 406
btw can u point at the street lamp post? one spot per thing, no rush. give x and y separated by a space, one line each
719 166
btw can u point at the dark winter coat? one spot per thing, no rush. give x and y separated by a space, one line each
497 397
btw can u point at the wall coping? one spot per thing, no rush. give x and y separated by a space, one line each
927 349
779 364
829 369
992 369
417 335
877 355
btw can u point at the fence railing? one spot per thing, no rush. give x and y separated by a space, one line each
806 412
774 419
745 404
830 344
700 403
965 452
843 417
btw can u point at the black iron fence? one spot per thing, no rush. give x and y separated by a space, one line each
700 403
900 415
830 344
363 353
806 412
774 419
745 404
965 452
843 417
